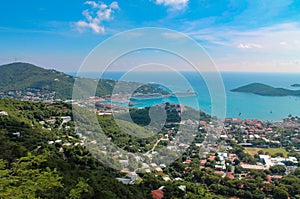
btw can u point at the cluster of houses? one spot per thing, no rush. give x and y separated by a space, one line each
31 94
253 130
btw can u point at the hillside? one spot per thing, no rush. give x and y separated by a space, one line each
51 170
266 90
21 76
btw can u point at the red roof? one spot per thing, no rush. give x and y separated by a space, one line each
202 162
230 175
269 178
237 120
157 194
219 172
202 122
212 158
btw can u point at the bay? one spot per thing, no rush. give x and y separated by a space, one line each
242 105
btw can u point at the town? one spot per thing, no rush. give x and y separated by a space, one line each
229 149
237 148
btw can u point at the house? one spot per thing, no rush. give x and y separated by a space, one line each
154 165
212 158
230 175
132 175
219 173
124 180
228 120
188 161
66 119
124 163
236 121
50 121
159 170
202 162
3 113
248 167
166 178
182 187
157 194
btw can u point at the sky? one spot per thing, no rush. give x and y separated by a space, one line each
238 35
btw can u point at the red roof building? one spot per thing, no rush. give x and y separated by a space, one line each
157 194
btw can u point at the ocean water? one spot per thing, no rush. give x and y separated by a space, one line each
243 105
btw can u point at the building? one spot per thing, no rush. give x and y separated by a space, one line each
157 194
159 170
3 113
248 167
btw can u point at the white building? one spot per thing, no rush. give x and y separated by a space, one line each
3 113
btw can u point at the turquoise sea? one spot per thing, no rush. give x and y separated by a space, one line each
241 105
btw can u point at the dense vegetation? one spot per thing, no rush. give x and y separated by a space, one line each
263 89
30 167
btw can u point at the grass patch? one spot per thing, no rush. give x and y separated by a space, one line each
272 151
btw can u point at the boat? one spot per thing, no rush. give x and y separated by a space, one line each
141 96
183 94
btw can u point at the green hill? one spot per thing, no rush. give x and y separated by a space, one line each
266 90
21 76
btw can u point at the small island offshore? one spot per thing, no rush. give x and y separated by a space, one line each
266 90
295 85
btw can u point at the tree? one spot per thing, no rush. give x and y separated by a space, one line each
238 169
260 152
25 180
278 169
280 194
236 162
80 188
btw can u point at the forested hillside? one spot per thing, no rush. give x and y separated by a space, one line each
21 76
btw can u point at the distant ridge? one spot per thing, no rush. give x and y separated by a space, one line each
266 90
21 76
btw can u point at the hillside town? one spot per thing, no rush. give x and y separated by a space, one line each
240 146
233 148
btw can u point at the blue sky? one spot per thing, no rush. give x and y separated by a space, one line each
239 35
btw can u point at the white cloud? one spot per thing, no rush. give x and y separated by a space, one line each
95 16
249 45
174 35
173 4
282 43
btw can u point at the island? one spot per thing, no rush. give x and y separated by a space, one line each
266 90
295 85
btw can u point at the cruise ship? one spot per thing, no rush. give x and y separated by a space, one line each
141 96
183 94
